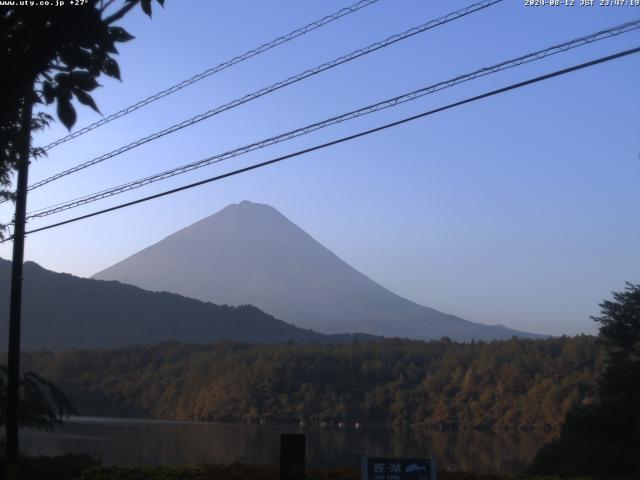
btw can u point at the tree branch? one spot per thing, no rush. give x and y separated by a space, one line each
121 13
104 7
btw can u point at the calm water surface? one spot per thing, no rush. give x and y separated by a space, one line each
147 442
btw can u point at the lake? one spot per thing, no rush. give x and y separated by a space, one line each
149 442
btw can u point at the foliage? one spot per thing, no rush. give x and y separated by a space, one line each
64 467
50 56
603 439
515 384
83 467
620 335
259 472
42 404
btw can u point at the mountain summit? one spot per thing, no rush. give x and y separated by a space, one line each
249 253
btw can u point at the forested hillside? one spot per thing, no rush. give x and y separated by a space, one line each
62 311
515 384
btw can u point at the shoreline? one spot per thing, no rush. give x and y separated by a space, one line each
99 420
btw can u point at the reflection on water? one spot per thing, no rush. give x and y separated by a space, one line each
139 442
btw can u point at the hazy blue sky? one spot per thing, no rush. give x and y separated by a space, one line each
521 209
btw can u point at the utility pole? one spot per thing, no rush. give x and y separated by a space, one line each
13 387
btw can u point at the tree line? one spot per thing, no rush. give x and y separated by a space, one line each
602 439
515 384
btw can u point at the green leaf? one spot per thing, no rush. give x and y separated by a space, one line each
83 80
66 112
86 99
48 92
146 6
110 48
76 57
63 80
119 34
111 68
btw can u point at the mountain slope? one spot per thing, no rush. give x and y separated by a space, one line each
62 311
249 253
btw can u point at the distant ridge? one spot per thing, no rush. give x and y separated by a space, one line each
249 253
61 311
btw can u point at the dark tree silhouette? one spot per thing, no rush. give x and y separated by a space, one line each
42 404
620 334
48 55
603 439
53 55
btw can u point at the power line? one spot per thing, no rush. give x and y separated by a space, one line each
514 86
218 68
392 102
276 86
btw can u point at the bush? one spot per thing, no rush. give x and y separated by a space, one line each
64 467
261 472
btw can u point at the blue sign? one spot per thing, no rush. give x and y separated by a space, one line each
375 468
